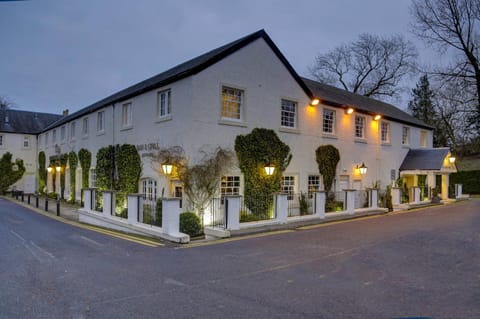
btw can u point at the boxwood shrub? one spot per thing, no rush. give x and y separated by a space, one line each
190 224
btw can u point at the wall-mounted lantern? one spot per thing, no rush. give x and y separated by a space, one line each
167 168
451 159
58 168
314 102
49 169
362 169
377 117
349 110
269 169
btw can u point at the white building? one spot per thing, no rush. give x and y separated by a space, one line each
248 83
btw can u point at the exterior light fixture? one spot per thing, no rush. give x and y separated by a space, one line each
269 169
49 169
58 168
451 159
377 117
314 102
362 168
167 168
349 110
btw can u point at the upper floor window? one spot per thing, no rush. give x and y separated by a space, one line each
1 140
85 126
101 121
54 136
26 141
289 114
359 126
72 130
328 121
62 133
127 115
423 138
163 103
232 103
405 135
385 132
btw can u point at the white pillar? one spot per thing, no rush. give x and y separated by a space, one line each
350 201
431 180
135 208
281 207
458 191
233 212
373 197
108 203
445 182
396 196
88 198
319 204
416 194
171 215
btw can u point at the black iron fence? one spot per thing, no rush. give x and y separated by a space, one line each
257 208
217 216
300 204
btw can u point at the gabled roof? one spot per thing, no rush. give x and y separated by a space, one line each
424 159
184 70
24 122
334 96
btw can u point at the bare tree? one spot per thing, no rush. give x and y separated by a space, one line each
371 66
454 25
200 180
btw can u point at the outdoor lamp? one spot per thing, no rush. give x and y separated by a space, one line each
58 168
269 169
49 169
363 169
377 117
314 102
167 168
349 110
451 159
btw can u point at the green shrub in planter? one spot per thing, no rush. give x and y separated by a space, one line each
190 224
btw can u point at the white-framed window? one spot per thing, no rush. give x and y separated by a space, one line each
359 126
54 136
405 135
26 141
93 177
149 187
289 114
2 142
232 103
101 121
385 132
85 126
127 115
163 103
72 130
62 133
313 183
230 185
328 121
423 138
288 186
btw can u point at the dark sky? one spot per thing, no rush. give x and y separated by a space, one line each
69 54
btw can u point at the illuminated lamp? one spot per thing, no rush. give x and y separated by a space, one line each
269 169
314 102
167 168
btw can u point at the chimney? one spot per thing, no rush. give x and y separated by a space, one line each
65 112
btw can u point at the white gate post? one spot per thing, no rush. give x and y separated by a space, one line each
88 198
373 198
416 194
232 214
108 203
171 216
350 199
135 208
281 207
458 191
319 202
396 194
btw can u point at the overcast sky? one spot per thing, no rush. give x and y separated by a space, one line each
70 54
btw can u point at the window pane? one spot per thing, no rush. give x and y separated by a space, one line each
328 121
232 100
289 109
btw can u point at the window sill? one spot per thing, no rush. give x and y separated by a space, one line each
361 141
406 146
85 137
232 123
386 144
126 128
289 130
101 133
332 136
163 119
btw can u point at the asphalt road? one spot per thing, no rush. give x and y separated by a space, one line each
417 264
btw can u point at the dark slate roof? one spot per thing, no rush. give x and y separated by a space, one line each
424 159
334 96
24 122
183 70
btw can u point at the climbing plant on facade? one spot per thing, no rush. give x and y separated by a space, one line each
11 172
63 164
85 158
129 166
72 163
105 168
42 172
327 157
254 151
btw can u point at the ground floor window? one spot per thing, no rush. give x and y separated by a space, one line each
288 186
149 188
93 177
313 183
230 185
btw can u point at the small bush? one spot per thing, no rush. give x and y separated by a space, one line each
246 217
124 213
190 224
303 204
52 195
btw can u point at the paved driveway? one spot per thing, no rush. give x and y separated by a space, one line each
424 263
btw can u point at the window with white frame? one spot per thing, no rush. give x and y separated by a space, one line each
62 133
149 187
359 126
1 140
230 185
26 141
54 136
288 186
72 130
85 126
313 184
93 177
405 135
423 138
101 121
232 103
289 114
127 115
163 103
385 132
328 121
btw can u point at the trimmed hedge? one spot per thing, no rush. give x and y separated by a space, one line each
468 179
190 224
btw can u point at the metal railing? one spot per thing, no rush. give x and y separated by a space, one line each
300 204
218 213
257 208
152 212
98 203
361 199
121 208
